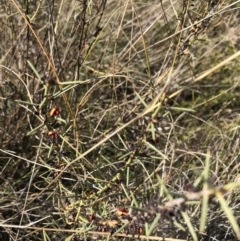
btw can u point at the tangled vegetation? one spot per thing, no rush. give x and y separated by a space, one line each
119 120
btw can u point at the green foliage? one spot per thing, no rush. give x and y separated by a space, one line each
119 120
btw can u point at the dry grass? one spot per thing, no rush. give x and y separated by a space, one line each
119 120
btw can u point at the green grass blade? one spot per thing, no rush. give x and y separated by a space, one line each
204 210
190 226
153 225
229 213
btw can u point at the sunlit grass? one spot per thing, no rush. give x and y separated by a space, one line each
144 143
